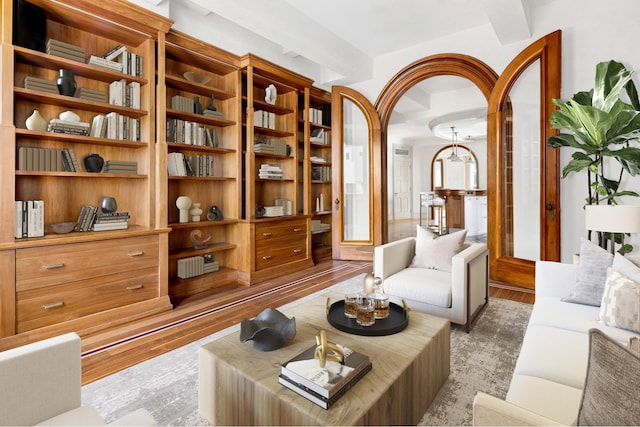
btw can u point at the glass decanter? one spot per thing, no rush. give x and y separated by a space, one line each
381 299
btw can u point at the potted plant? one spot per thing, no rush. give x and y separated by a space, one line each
602 128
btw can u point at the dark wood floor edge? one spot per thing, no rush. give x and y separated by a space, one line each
221 308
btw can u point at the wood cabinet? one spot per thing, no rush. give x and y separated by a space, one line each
455 206
272 188
207 139
93 27
316 124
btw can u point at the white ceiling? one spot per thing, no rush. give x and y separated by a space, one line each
343 37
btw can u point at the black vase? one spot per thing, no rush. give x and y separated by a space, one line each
66 82
93 162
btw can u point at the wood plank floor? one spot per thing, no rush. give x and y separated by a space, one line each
200 315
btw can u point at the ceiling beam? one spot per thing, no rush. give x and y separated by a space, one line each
509 18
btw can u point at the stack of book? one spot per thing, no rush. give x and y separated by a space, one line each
271 146
273 211
66 126
110 221
121 166
104 63
29 218
212 113
43 85
65 50
270 171
91 94
323 386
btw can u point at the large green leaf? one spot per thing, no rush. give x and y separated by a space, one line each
575 165
611 79
596 123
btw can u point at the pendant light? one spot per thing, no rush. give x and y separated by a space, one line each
453 157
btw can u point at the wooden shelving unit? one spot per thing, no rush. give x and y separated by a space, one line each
221 186
81 280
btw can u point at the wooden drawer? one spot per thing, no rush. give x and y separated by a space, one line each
40 307
53 265
266 233
281 252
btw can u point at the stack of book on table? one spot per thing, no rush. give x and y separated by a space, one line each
323 386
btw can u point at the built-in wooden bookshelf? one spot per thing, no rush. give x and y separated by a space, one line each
216 140
80 280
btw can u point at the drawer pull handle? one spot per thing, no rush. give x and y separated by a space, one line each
266 234
266 257
134 287
134 254
53 266
297 251
297 230
53 305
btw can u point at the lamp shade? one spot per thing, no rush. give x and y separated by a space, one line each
612 218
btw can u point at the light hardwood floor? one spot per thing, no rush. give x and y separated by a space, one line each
200 315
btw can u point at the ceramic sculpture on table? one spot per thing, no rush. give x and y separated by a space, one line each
268 330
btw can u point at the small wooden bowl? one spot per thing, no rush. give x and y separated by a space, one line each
196 78
62 227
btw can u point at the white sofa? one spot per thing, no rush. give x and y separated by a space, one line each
459 295
41 383
549 376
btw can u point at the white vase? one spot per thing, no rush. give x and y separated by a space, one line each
36 122
195 212
183 203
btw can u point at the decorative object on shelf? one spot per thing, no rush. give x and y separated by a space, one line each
211 106
208 257
183 203
108 204
36 122
270 94
197 106
196 77
69 116
199 241
214 214
62 227
268 330
195 212
260 211
326 351
66 82
93 162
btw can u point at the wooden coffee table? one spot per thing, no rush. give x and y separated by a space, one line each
239 385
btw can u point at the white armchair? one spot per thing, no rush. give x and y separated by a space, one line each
41 383
459 295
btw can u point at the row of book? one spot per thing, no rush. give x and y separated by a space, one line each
319 116
69 127
264 119
319 226
119 59
191 133
115 126
319 136
64 160
321 173
89 219
270 171
29 218
124 94
182 103
179 164
195 266
323 385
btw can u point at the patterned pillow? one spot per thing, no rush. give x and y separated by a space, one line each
611 393
436 253
620 306
592 274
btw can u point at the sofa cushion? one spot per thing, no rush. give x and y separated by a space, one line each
554 354
592 274
620 306
82 416
611 392
548 398
421 284
626 266
436 252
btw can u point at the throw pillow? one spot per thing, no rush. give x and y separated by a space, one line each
592 274
620 305
626 267
611 393
436 253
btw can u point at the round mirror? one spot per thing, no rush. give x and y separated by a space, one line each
454 167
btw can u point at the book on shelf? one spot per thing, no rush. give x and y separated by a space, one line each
326 381
323 385
114 52
104 63
29 218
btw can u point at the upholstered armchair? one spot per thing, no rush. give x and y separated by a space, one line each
41 383
440 275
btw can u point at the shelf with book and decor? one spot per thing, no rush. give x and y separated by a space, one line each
199 108
74 146
278 232
317 142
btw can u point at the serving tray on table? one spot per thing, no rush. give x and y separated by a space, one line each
397 320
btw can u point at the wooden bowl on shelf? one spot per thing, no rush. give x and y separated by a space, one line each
62 227
196 77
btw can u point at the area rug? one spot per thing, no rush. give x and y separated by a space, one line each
167 385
